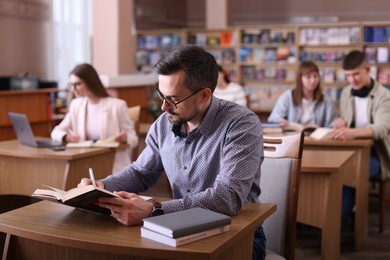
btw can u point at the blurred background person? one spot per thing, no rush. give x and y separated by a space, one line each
228 90
94 115
306 103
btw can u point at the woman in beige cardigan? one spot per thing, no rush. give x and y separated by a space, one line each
94 115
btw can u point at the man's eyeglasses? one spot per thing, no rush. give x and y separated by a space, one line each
74 85
170 102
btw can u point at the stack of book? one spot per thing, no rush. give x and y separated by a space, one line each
183 227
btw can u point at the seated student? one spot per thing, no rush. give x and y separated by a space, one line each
229 90
94 115
306 104
210 149
364 113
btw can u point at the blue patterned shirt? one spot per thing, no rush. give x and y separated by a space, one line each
217 166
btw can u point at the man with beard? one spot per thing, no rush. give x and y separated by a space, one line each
210 149
364 113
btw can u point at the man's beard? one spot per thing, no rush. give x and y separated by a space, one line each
179 122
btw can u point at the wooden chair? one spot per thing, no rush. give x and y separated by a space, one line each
279 184
134 115
10 202
383 197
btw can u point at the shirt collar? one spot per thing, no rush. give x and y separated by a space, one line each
206 125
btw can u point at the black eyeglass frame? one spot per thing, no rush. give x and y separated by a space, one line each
170 102
74 85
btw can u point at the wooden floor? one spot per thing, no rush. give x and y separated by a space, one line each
376 246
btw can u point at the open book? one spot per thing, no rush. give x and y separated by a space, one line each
109 143
313 131
86 197
296 127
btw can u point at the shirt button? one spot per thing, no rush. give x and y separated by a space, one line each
188 190
185 167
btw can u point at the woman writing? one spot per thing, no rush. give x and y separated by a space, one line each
306 104
94 115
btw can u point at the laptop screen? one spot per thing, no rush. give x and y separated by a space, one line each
22 129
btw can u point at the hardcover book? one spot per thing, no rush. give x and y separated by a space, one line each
186 222
175 242
85 198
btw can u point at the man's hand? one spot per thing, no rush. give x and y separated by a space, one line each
129 209
86 182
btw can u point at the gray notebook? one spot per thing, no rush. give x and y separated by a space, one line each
186 222
25 134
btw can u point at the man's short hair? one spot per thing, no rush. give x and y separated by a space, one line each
200 67
354 60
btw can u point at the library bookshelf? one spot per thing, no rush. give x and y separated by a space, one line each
265 58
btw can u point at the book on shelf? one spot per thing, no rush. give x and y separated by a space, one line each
175 242
290 38
265 36
248 72
228 56
186 222
213 41
226 39
246 54
383 55
85 198
108 143
370 54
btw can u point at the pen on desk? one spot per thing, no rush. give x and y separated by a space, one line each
92 177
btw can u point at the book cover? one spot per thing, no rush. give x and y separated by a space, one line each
226 39
248 72
175 242
228 56
81 197
186 222
382 55
85 198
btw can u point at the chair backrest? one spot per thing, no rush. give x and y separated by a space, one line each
280 184
134 113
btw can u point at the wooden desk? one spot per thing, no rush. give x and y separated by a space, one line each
24 168
356 177
47 230
319 200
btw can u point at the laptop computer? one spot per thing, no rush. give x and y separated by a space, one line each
25 134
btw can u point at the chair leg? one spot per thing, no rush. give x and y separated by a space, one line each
6 245
382 204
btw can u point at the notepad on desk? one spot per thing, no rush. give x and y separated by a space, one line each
185 226
93 143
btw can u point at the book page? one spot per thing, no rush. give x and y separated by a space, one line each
81 144
50 194
320 133
106 143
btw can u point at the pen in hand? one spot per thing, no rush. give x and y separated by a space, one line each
92 177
